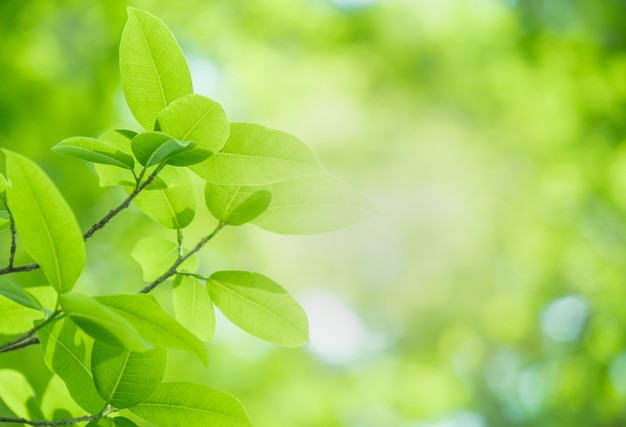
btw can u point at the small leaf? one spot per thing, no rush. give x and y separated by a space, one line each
193 307
18 294
45 223
57 399
182 404
256 155
123 422
173 206
15 391
153 69
17 318
198 119
152 148
312 204
260 307
111 175
5 221
67 352
154 324
156 255
235 205
100 322
95 151
123 377
3 189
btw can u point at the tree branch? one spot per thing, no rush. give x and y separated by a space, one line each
172 270
51 423
24 341
13 237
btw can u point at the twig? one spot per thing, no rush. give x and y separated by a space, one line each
19 268
51 423
20 344
172 270
13 237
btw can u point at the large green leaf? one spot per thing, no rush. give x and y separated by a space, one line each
123 377
312 204
154 324
193 307
173 206
57 402
15 392
260 307
16 293
156 256
256 155
67 352
182 404
95 151
112 175
198 119
235 205
153 69
100 321
45 223
152 148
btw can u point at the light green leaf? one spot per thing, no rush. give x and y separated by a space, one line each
15 392
123 422
111 175
152 148
57 401
256 155
260 307
18 294
95 151
3 189
16 318
173 206
182 404
67 352
100 322
5 221
312 204
45 223
154 324
123 377
153 69
193 307
156 256
198 119
235 205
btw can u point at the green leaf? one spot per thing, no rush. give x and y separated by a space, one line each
45 223
154 324
3 188
260 307
123 377
153 69
95 151
123 422
312 204
235 205
15 391
256 155
112 175
152 148
5 221
156 256
183 404
173 206
198 119
18 294
67 352
16 318
193 307
100 322
57 400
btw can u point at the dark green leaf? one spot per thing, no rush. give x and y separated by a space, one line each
95 151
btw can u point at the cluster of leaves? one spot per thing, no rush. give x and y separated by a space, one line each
109 353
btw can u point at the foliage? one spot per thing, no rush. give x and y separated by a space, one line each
109 353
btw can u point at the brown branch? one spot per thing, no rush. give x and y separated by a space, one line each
51 423
21 344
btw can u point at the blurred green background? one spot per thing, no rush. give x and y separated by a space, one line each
491 136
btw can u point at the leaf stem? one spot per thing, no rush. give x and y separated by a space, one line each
51 423
172 270
13 237
25 339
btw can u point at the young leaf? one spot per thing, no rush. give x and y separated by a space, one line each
123 377
235 205
18 294
15 391
156 255
182 404
67 352
154 324
260 307
198 119
193 307
100 322
152 148
111 175
256 155
5 221
95 151
123 422
153 69
312 204
45 223
173 206
3 189
57 403
17 318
